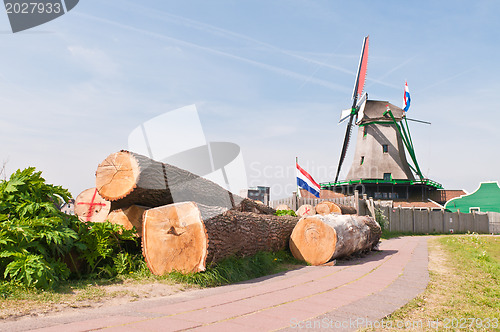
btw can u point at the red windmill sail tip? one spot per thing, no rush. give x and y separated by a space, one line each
363 65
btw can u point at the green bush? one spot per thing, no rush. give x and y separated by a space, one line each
381 219
37 241
286 213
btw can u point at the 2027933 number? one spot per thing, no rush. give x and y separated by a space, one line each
33 8
467 323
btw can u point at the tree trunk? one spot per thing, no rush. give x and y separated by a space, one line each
90 206
127 178
321 238
128 217
344 209
306 210
187 237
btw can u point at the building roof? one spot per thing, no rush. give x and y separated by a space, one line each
427 204
442 195
375 109
486 199
324 194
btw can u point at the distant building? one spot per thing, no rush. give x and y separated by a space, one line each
260 193
68 208
485 199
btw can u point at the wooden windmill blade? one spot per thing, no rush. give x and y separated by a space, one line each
358 90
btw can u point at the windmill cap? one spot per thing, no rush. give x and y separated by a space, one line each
375 109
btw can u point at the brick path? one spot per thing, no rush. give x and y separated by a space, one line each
340 297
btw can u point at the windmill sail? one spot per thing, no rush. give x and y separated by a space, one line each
358 90
361 75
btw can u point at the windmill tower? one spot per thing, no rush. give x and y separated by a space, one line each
380 168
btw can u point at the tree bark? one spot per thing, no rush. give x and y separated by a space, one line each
321 238
129 217
187 237
127 178
90 206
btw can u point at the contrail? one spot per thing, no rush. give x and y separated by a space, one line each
275 69
164 16
445 80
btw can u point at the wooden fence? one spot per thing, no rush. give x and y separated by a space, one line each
411 220
295 202
425 220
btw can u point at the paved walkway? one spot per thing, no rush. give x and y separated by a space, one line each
341 297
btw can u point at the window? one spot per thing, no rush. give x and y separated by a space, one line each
385 148
474 209
387 177
362 160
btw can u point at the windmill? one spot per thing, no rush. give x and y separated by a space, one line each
380 168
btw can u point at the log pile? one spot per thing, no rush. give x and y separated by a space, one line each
187 222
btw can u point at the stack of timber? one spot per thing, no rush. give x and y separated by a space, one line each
187 221
320 238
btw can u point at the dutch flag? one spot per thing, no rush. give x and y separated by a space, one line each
407 98
305 181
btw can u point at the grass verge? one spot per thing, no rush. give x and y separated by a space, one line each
464 288
232 270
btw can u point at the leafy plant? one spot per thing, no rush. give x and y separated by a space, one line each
286 213
106 248
381 219
40 245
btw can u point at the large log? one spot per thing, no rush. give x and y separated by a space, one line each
129 217
127 178
90 206
187 237
321 238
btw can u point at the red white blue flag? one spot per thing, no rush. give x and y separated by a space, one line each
407 98
305 181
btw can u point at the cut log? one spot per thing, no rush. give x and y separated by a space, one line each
334 208
187 237
282 207
306 210
90 206
322 208
127 178
321 238
128 217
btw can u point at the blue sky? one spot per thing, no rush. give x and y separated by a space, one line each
271 76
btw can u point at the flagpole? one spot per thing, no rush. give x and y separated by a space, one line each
296 163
